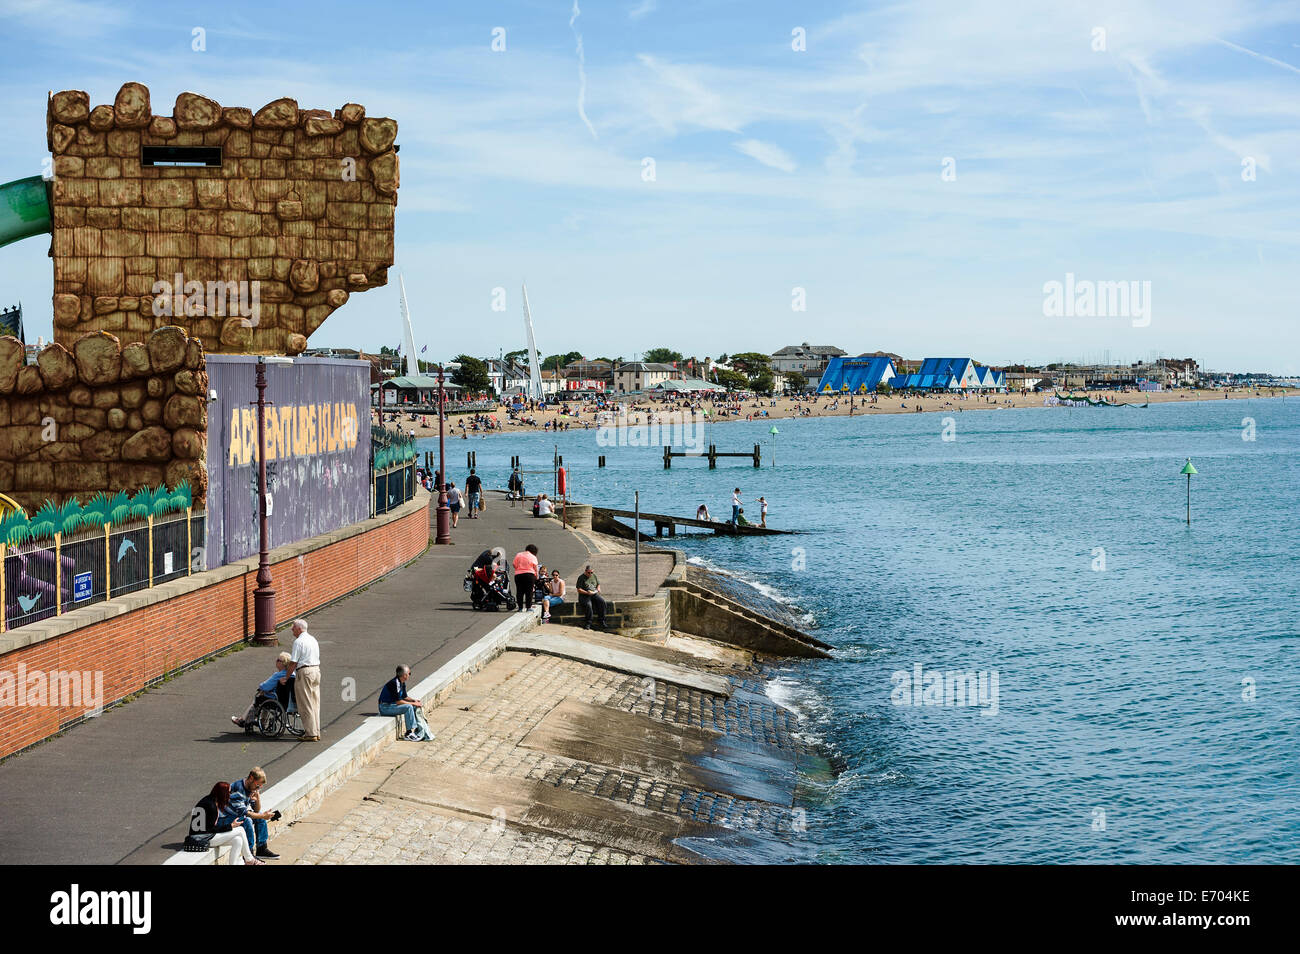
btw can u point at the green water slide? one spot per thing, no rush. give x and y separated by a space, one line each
24 209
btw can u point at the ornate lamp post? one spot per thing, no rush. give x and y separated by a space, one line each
264 595
443 535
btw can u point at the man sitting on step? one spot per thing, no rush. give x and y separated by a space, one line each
589 598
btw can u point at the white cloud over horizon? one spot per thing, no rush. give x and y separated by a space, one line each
775 168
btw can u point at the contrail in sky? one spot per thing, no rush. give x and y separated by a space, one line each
1231 46
582 72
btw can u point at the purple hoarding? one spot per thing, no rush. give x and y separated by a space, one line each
317 455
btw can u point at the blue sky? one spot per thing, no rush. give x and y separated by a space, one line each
775 168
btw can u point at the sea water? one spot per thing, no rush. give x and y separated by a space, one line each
1036 658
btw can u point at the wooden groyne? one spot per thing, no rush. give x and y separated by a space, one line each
711 455
667 522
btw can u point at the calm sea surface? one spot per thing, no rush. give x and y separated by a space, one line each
1147 681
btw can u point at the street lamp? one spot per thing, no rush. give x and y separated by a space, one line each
264 595
443 535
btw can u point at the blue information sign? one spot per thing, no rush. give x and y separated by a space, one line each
81 587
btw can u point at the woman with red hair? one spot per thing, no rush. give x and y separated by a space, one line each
208 829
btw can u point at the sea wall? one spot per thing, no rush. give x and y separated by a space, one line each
133 641
299 201
96 416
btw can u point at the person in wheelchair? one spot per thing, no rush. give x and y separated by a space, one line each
277 686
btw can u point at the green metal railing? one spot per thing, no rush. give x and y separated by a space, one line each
71 555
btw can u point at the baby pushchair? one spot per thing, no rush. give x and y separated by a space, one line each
488 590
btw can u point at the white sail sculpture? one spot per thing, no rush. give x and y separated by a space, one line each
534 365
408 335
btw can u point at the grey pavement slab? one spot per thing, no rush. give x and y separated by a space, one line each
119 788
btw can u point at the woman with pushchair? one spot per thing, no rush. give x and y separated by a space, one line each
486 581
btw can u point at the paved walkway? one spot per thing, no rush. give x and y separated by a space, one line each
617 573
120 788
540 759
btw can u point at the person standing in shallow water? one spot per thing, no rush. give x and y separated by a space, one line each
735 506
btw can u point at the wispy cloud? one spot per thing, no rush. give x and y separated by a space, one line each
824 166
1259 56
767 154
74 18
582 72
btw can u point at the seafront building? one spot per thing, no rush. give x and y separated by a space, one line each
642 375
809 360
856 375
864 374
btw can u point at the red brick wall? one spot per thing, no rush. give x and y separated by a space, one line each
146 644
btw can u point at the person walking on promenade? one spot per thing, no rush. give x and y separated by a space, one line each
453 503
304 667
589 598
762 513
473 488
245 808
525 566
735 506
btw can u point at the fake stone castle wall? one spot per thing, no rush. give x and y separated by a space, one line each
99 416
300 202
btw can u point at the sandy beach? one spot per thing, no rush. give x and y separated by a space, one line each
587 414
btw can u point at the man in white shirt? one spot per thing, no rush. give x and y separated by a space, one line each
544 506
735 507
304 665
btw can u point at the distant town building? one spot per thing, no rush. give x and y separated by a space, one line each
642 375
808 359
504 376
552 383
1028 380
588 375
1180 372
11 322
420 389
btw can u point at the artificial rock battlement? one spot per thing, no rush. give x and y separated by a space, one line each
99 416
300 202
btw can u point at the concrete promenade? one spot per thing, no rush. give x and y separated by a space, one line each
120 788
576 747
